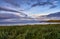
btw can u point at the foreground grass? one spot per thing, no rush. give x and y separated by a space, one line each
51 31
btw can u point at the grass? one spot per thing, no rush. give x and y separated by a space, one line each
51 31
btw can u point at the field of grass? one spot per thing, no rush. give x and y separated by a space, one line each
51 31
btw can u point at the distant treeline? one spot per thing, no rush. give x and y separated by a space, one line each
53 21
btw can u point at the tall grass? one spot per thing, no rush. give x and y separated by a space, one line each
51 31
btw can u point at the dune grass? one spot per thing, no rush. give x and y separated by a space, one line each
51 31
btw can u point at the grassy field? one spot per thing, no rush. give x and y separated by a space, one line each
51 31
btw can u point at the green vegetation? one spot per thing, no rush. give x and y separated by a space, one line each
51 31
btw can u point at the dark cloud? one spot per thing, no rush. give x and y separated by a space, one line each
6 9
53 6
32 3
12 2
7 16
48 2
10 10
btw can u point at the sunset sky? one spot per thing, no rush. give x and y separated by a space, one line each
27 6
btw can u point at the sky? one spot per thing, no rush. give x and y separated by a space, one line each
30 7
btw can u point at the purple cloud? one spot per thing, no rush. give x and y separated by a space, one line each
12 2
48 2
10 10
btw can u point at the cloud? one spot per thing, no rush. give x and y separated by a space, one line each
32 3
12 2
11 10
6 9
48 2
8 16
